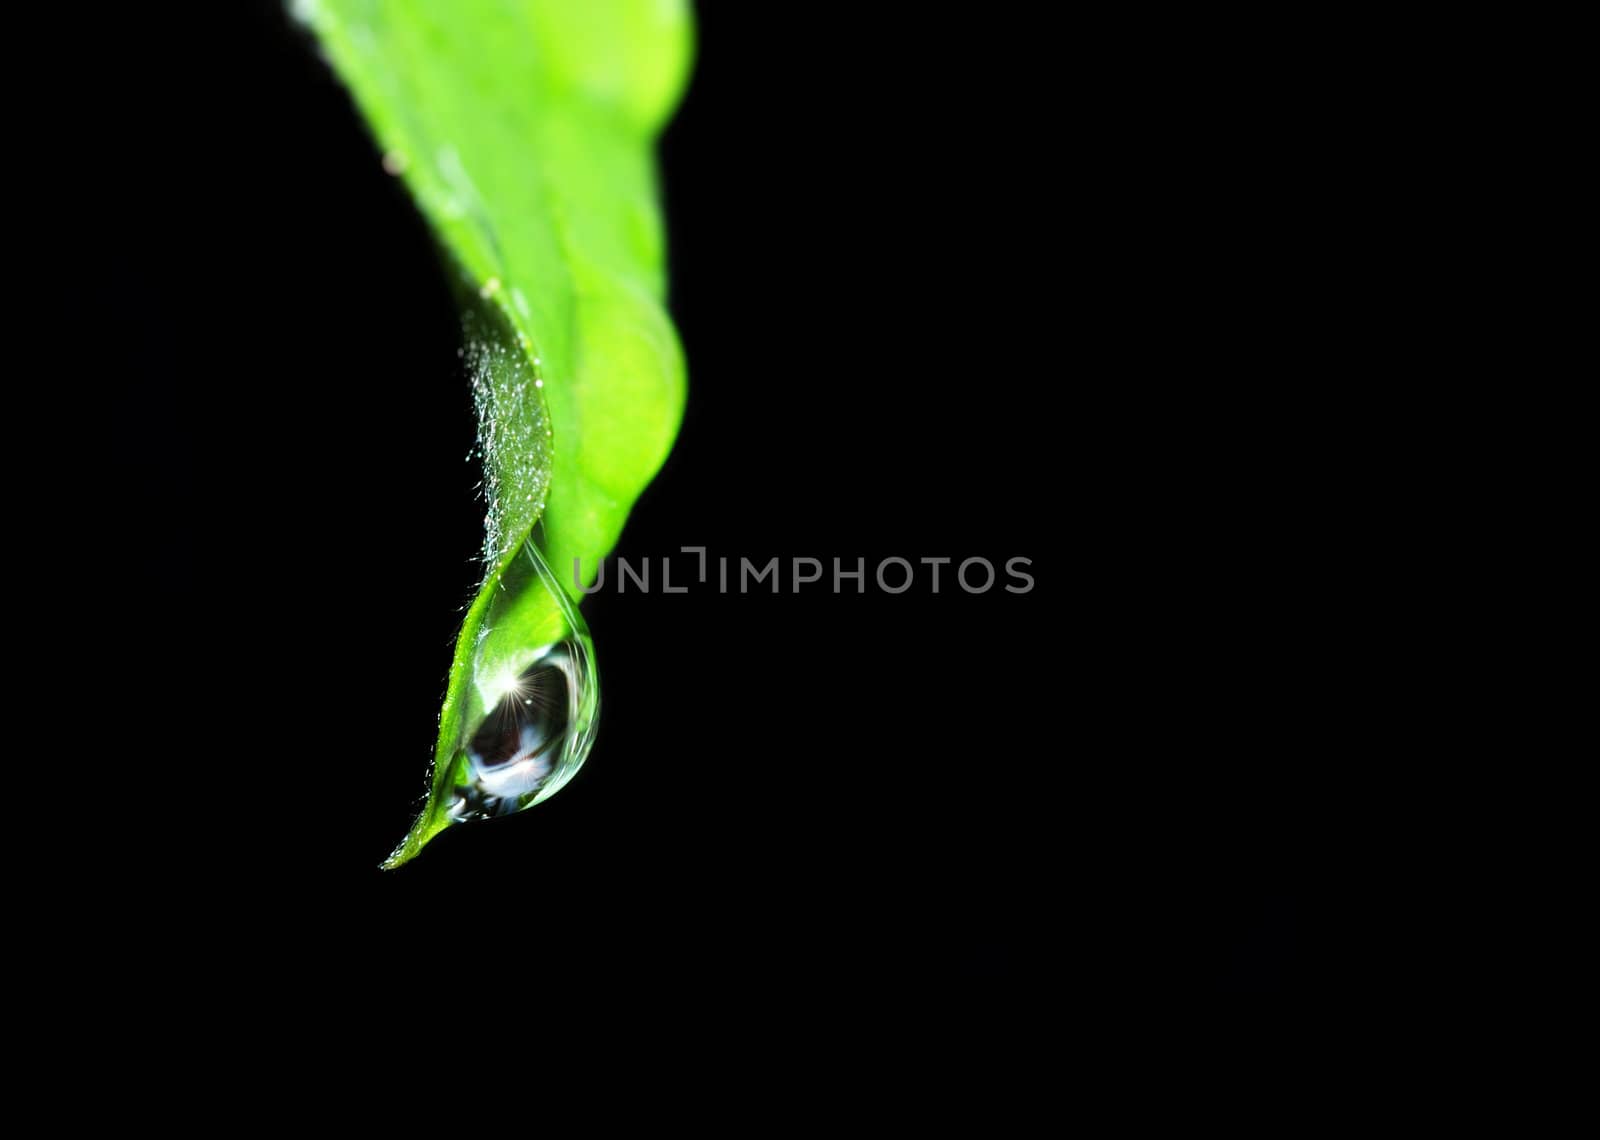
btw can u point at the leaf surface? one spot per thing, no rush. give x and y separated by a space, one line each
524 129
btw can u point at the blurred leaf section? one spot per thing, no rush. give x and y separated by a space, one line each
525 131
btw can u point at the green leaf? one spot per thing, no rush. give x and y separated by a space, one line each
524 129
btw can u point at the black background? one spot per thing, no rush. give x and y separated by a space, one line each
946 287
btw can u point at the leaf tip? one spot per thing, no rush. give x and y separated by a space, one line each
427 826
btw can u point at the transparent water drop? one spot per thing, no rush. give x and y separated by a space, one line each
533 701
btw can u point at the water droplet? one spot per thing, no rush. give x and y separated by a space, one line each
532 702
395 163
490 288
